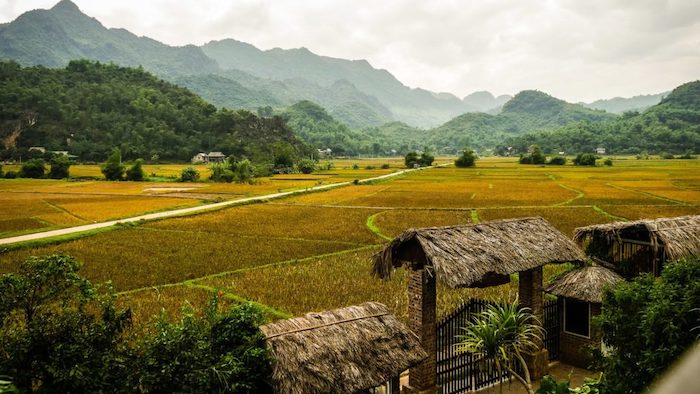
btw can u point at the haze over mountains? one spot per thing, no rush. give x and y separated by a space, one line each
235 74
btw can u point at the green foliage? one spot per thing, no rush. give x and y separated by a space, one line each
60 167
2 174
548 385
467 159
10 175
536 157
113 169
135 172
557 161
648 324
6 386
189 174
426 158
608 162
243 171
503 333
385 166
59 333
666 155
215 353
585 159
411 159
220 172
34 168
306 166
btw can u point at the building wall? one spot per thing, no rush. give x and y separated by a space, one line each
575 349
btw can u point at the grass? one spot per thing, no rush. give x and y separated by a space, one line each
311 252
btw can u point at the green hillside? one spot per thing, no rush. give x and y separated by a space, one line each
528 111
673 126
89 108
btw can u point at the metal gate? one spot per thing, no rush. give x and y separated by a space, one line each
462 372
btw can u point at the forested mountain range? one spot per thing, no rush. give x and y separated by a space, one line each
672 126
89 108
619 105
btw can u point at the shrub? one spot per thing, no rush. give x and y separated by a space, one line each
242 171
135 172
687 155
411 159
608 162
548 385
467 159
34 168
426 158
113 169
666 155
355 166
385 166
306 166
60 167
525 159
10 175
219 173
557 160
537 157
585 159
189 174
648 323
2 174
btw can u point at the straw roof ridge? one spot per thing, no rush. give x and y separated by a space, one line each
586 283
343 350
680 235
466 255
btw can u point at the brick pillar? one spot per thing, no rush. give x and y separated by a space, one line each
531 295
422 321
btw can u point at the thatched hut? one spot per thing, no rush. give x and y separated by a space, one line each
642 245
474 255
580 297
345 350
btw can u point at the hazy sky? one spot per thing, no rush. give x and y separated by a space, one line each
578 50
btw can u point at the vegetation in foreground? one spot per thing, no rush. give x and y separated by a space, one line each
61 333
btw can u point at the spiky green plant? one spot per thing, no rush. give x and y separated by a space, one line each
503 333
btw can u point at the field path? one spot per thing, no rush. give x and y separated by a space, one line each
193 210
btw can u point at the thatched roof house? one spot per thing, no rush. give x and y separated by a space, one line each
678 237
340 351
585 283
479 254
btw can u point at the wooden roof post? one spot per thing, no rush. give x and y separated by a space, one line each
422 294
531 296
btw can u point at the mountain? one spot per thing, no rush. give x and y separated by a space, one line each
528 111
54 37
485 101
618 105
88 108
673 125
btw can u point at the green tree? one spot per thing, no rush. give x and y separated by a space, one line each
113 169
306 166
58 332
2 174
537 157
34 168
585 159
648 323
557 161
242 170
503 333
411 159
189 174
60 167
426 158
467 159
135 172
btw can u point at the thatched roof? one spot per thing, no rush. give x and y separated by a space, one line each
340 351
469 255
585 283
680 236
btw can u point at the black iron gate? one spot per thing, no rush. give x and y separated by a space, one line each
461 372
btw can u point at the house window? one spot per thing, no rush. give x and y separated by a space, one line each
577 317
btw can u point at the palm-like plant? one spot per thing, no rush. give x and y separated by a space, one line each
503 333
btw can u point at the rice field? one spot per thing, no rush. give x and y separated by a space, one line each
312 251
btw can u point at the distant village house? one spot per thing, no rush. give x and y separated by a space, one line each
325 153
211 157
600 151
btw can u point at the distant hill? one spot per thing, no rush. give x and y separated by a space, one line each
618 105
673 125
89 108
528 111
485 101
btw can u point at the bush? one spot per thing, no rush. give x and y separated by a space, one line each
557 160
2 174
60 167
525 159
467 159
385 166
135 172
687 155
548 385
34 168
113 169
189 174
666 155
585 159
608 162
220 173
10 175
411 159
306 166
426 158
536 157
648 323
355 166
242 171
